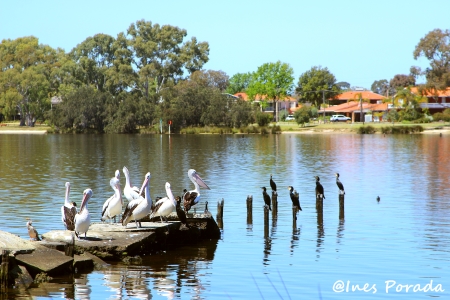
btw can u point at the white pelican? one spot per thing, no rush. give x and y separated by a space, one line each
113 206
68 210
191 198
130 192
82 218
139 208
163 207
32 232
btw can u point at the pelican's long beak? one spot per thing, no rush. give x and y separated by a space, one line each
200 181
86 197
143 186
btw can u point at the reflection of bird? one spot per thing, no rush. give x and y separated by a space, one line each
340 185
138 208
294 197
113 205
266 198
180 212
378 198
130 192
82 218
192 197
319 189
34 236
68 210
163 207
273 185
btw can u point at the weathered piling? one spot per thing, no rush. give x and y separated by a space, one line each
219 216
4 271
68 248
341 207
319 203
274 204
249 209
220 209
266 215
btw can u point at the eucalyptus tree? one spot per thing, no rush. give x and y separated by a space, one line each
26 83
160 53
94 56
272 81
239 83
316 85
434 46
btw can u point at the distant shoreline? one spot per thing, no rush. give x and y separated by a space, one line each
23 131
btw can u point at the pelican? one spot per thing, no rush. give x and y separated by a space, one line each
340 185
139 208
113 206
266 198
82 218
163 207
294 198
68 211
273 185
130 192
319 189
32 232
191 198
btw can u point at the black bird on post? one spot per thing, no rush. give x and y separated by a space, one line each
180 212
340 185
266 197
294 198
273 184
319 189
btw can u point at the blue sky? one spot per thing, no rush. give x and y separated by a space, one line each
358 41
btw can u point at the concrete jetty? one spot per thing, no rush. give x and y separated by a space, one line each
104 242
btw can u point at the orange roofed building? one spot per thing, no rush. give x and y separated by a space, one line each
438 101
289 103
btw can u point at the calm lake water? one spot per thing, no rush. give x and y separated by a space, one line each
374 252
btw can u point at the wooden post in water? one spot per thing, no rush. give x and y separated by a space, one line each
341 207
220 213
319 203
4 271
266 216
249 209
69 247
274 204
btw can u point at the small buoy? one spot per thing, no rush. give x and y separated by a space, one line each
378 198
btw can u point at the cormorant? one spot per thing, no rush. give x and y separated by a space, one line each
180 212
340 185
319 189
378 198
266 197
34 236
206 207
273 184
294 197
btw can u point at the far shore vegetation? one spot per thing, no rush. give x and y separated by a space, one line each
150 77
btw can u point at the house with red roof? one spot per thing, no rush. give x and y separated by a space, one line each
438 101
288 103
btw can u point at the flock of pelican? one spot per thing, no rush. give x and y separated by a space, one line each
320 193
140 204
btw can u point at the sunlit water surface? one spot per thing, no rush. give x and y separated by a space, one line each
375 251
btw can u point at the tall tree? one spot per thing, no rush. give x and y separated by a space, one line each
272 81
238 83
402 81
26 83
435 46
316 85
382 87
95 56
160 54
344 86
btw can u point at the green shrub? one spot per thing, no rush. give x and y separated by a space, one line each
366 129
401 129
276 129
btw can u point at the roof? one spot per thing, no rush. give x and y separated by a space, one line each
431 92
354 106
258 97
353 95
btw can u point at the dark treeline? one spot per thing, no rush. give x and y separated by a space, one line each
116 85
